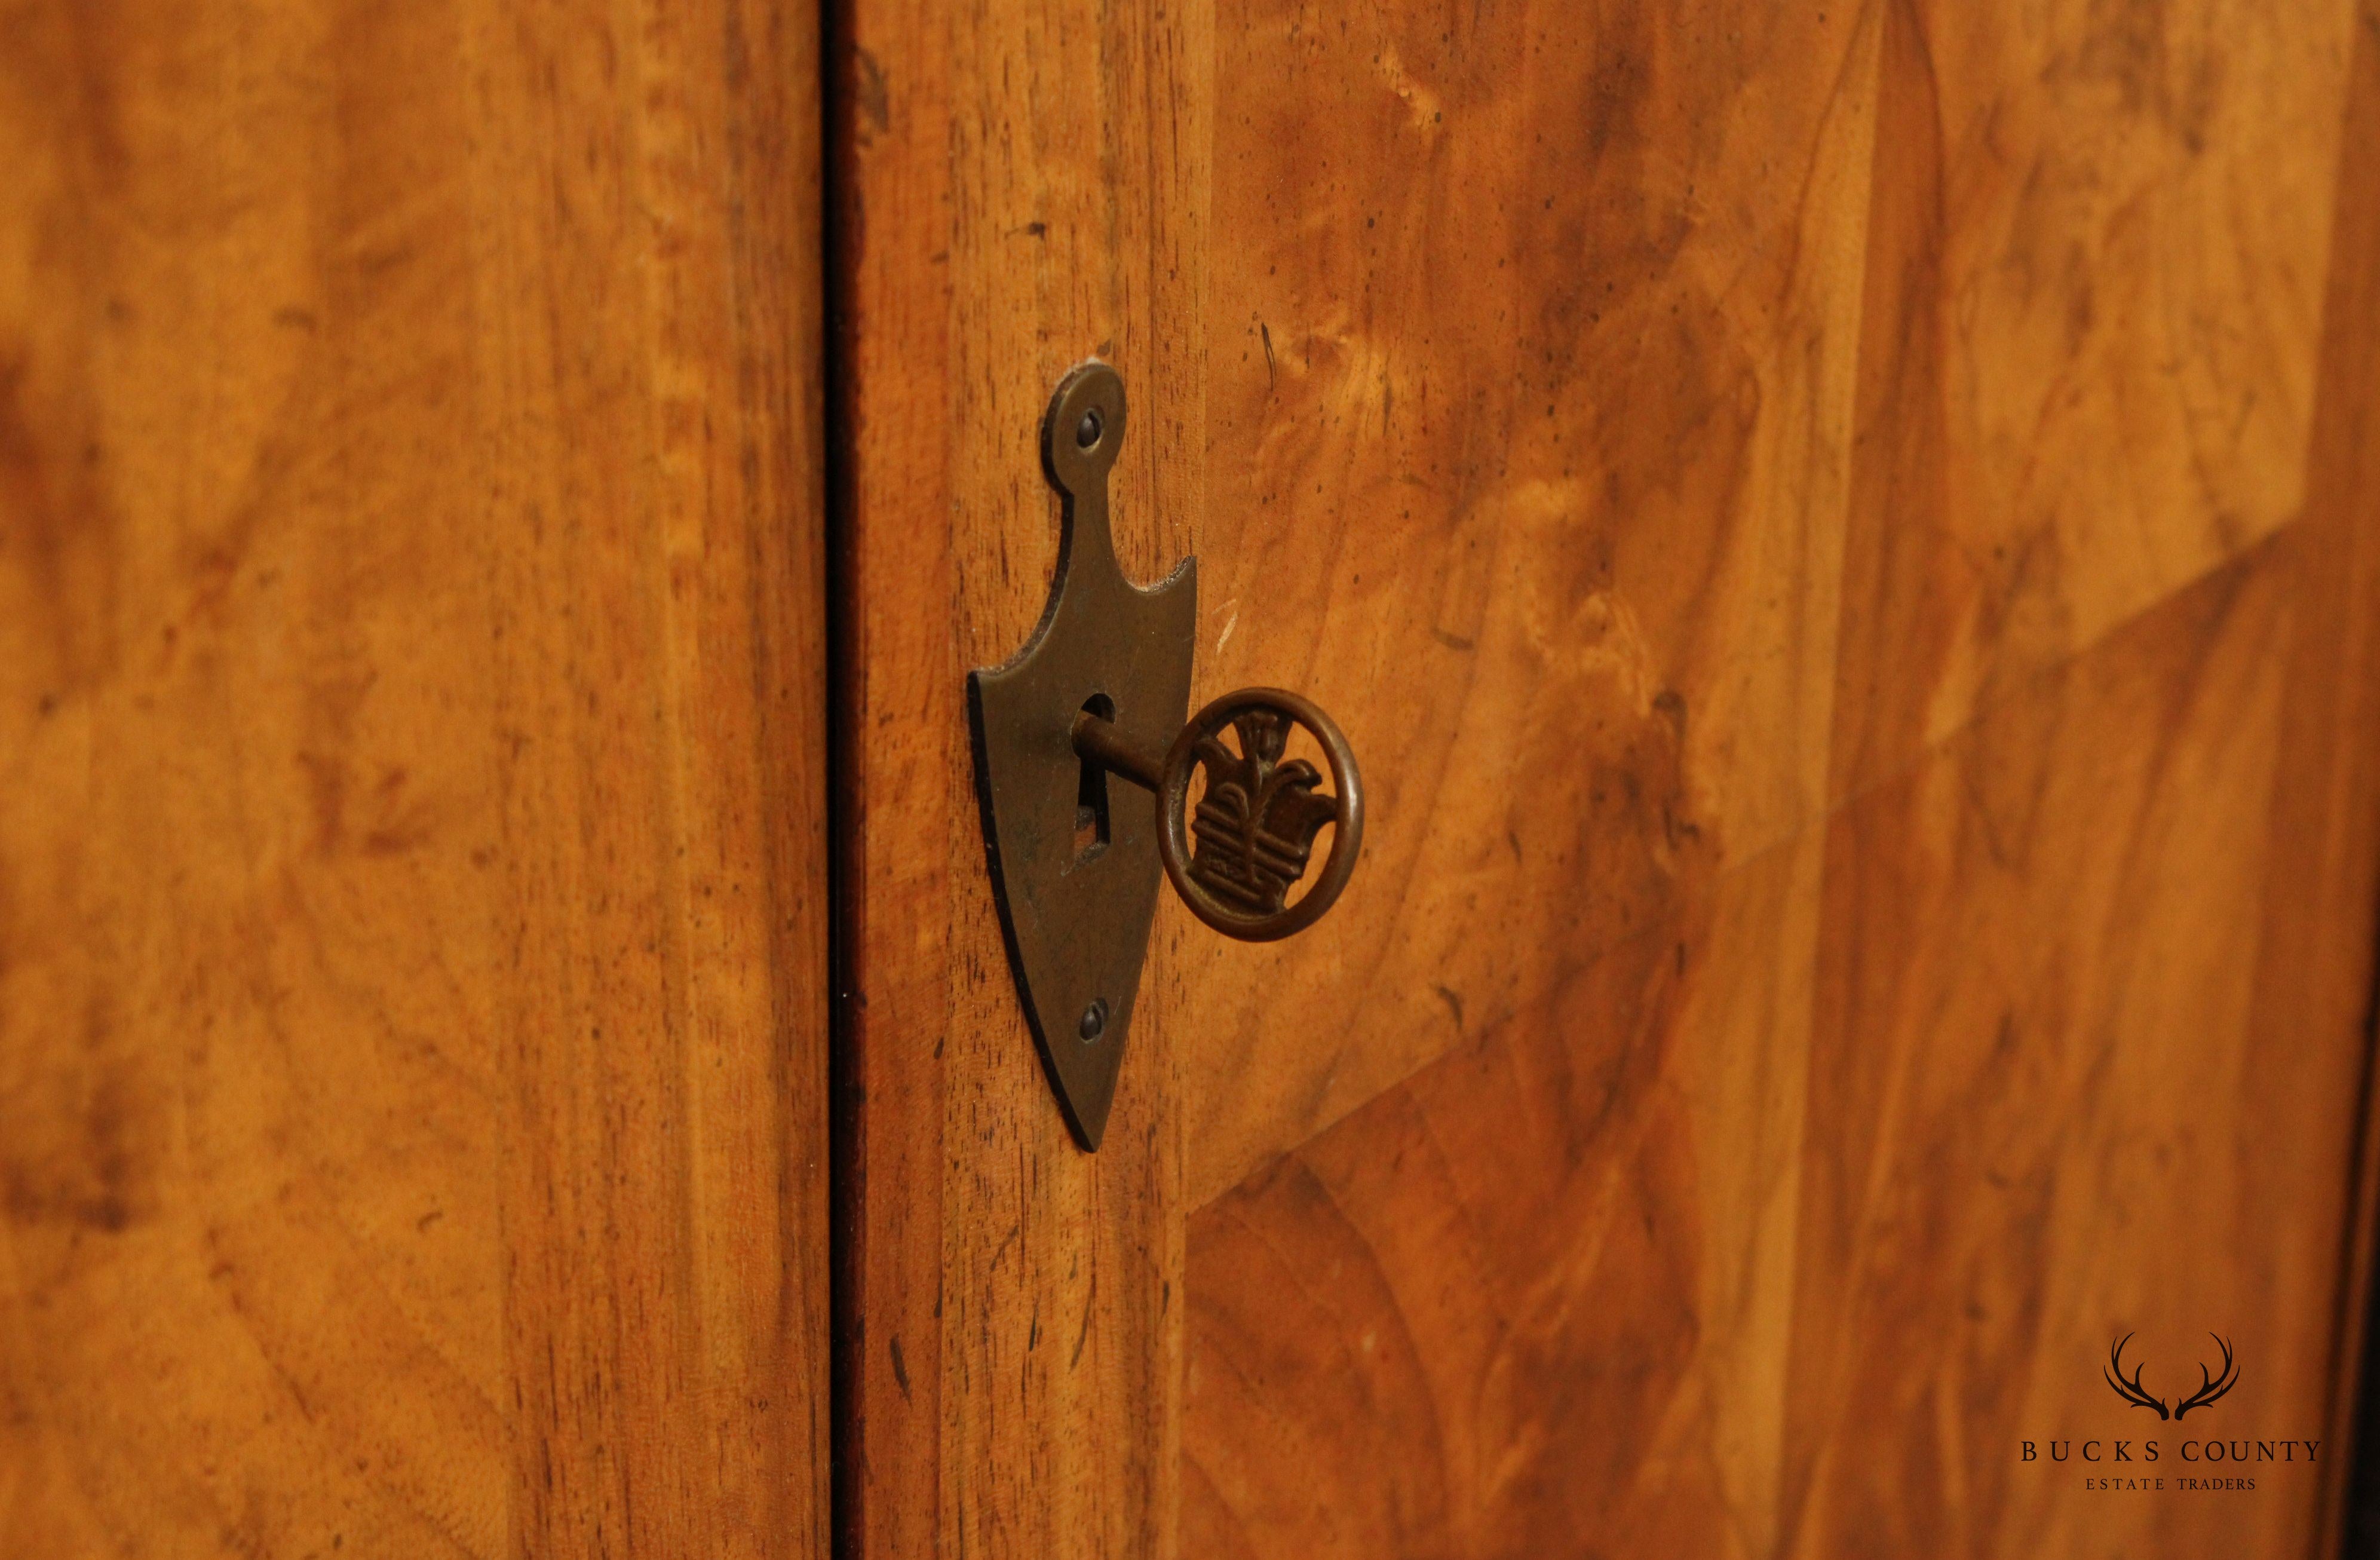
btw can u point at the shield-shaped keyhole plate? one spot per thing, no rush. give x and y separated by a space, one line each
1073 849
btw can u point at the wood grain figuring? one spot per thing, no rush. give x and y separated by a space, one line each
2045 1020
412 937
1531 425
2097 252
1534 1296
2139 274
1479 1316
1020 185
2043 1111
1551 1277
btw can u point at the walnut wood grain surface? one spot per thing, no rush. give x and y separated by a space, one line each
1841 538
2048 1100
2078 1043
1569 1283
1530 430
412 936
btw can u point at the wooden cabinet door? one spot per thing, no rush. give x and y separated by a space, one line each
1844 538
412 790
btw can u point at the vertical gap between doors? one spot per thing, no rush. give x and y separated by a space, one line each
845 1122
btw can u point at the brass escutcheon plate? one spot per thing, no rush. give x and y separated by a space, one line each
1073 849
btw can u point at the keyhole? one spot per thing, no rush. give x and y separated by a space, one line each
1091 792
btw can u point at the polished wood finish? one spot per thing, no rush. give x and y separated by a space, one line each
1559 546
1842 537
412 868
2068 1050
1807 518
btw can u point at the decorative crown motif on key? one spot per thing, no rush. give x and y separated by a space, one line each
1255 823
